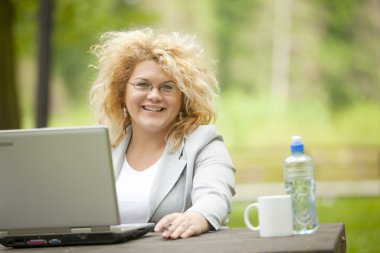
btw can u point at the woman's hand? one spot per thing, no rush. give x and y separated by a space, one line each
182 225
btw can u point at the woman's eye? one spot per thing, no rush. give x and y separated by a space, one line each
143 86
167 87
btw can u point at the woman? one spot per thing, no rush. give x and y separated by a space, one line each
154 91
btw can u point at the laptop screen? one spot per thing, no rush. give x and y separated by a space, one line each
56 177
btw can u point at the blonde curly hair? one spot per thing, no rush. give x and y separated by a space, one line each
180 56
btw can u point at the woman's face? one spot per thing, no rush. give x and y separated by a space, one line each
155 110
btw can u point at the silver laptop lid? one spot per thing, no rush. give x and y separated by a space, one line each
56 177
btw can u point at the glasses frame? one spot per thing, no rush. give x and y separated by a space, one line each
159 86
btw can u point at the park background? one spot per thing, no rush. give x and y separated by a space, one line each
285 67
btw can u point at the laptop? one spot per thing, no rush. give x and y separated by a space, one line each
57 187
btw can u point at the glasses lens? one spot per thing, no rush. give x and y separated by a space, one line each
168 88
143 86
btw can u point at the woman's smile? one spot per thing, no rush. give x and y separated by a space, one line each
153 108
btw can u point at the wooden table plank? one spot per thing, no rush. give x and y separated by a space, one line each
329 238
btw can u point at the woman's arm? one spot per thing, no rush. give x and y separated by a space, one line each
211 194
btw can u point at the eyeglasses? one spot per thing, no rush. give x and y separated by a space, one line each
166 88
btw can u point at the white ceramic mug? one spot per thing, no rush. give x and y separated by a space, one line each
275 216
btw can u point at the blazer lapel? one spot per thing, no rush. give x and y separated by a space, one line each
170 169
118 153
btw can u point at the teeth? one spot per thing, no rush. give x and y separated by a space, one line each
154 109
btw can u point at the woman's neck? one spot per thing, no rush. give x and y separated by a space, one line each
144 149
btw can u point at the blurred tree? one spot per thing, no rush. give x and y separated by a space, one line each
78 25
283 12
350 51
231 16
9 107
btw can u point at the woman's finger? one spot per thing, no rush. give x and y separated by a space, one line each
181 228
165 223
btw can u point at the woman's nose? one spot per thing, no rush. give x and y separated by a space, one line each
154 93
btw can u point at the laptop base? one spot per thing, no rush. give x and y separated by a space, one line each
69 239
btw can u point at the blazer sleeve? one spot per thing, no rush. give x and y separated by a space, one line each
213 177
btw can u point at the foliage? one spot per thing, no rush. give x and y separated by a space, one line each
76 26
360 216
230 16
350 67
72 45
25 27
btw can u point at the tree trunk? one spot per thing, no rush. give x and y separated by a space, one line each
281 50
9 107
44 46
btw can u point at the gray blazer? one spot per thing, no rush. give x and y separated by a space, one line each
198 176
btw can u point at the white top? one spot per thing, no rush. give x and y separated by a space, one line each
133 192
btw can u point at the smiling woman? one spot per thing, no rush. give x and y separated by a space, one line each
154 91
180 56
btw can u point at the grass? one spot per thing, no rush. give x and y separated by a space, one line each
248 121
360 216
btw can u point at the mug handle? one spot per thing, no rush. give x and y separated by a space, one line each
246 217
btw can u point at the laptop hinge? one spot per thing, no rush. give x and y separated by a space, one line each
80 230
3 234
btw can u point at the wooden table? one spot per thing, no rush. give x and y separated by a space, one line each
329 238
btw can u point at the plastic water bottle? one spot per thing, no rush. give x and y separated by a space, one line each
300 184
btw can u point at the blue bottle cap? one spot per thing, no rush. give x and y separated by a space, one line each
297 145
